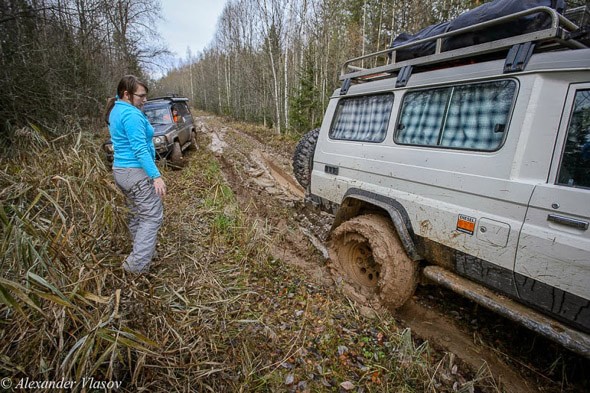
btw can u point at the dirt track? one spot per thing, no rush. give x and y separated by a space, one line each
260 176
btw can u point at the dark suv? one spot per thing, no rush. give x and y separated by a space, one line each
174 129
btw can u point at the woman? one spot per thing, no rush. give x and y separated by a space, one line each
135 171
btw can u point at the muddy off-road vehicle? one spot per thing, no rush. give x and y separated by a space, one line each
173 134
463 159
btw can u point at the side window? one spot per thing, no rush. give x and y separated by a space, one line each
183 109
158 115
473 116
423 114
574 169
362 118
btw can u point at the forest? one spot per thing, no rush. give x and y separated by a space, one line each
277 62
272 62
240 297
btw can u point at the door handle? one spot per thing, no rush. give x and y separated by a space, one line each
567 221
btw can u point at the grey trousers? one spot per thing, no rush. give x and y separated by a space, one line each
146 213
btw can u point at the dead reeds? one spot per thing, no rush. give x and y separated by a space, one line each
217 312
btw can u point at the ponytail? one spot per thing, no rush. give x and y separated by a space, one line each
127 84
109 108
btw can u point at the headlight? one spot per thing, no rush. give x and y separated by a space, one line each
158 140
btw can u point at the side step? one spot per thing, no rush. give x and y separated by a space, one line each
569 338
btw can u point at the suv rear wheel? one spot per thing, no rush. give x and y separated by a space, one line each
367 252
303 157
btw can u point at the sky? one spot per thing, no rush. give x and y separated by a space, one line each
189 23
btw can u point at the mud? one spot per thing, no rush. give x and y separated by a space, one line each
261 180
397 274
442 331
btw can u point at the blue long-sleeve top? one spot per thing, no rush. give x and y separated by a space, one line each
131 134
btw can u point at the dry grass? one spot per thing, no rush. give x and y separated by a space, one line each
217 313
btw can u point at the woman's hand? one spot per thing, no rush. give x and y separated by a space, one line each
160 187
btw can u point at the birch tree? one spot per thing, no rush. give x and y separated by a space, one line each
277 62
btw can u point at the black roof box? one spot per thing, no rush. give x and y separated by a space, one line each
483 13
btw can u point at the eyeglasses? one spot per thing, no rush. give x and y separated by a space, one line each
140 95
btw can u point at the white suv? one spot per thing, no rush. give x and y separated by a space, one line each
469 167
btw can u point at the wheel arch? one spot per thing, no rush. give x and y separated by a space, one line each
357 202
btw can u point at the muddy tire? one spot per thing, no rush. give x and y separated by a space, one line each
303 157
371 259
176 157
193 145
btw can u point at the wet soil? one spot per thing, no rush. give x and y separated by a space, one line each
261 178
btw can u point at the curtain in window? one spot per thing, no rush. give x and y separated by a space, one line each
362 118
478 115
472 116
422 116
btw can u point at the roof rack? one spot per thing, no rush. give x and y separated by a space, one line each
557 35
173 98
